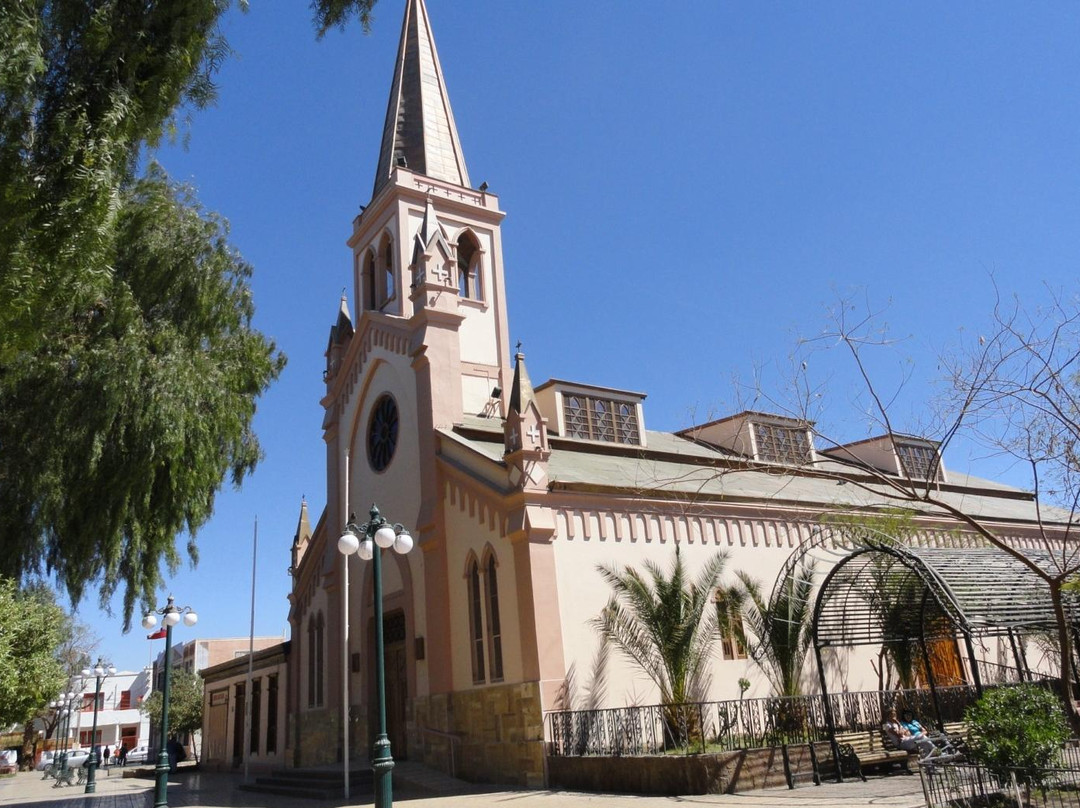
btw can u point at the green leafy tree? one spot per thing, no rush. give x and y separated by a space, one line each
185 703
663 623
31 672
779 632
1021 728
129 367
117 439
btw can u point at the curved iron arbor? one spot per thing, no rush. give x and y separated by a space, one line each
972 591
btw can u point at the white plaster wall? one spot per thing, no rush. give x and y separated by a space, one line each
756 547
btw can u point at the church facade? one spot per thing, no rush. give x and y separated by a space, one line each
515 494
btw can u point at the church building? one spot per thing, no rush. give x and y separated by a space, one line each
515 493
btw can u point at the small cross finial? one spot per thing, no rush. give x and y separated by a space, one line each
519 346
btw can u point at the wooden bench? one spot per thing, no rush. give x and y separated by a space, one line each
866 749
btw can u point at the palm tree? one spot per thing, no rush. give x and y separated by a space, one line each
779 632
663 623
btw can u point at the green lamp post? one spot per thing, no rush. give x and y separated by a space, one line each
367 541
100 671
170 616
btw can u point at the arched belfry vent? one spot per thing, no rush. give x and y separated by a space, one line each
419 133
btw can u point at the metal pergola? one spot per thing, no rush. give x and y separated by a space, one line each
882 591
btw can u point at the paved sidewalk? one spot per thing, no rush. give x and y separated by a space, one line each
211 790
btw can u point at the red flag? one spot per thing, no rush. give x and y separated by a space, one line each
157 635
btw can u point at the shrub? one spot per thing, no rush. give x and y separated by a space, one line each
1019 728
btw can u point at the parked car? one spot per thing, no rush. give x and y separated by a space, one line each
140 754
77 757
9 758
45 759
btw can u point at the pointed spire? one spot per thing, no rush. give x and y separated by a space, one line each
430 225
521 391
419 132
303 524
344 323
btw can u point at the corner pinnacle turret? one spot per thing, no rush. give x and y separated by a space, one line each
419 133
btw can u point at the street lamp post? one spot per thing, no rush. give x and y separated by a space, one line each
367 540
170 615
64 704
101 671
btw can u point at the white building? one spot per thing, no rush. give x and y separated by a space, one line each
119 720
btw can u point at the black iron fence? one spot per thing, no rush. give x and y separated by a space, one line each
964 785
719 726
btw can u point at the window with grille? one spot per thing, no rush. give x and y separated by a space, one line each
781 444
918 461
595 418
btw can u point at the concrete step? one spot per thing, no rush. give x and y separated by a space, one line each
315 784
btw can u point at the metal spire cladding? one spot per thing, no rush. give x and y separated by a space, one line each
419 133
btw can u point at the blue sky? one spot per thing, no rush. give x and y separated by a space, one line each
689 187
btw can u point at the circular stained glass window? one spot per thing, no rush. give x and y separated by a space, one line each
382 433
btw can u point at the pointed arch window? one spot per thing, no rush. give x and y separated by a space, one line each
494 630
627 424
387 287
469 268
476 622
316 667
368 273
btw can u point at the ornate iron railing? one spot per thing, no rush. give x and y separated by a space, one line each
720 726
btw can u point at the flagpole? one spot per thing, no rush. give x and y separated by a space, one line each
251 653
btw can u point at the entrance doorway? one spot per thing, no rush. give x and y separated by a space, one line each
397 691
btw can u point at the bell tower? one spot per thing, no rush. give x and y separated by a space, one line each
427 249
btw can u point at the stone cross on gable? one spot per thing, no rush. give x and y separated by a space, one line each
514 443
534 434
441 273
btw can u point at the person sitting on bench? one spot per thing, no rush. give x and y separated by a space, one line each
903 739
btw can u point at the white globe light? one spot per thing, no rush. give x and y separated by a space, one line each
190 619
347 544
384 536
98 671
112 670
71 696
85 671
172 618
403 543
366 550
149 621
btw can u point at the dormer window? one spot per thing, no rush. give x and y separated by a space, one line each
595 418
777 443
919 461
590 412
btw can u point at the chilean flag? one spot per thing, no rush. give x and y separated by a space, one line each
157 635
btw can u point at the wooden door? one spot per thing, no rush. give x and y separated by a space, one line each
397 690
